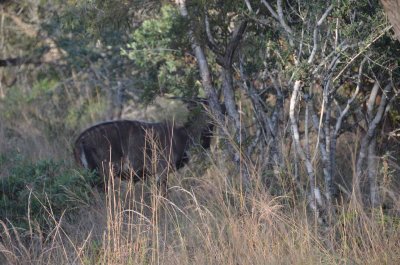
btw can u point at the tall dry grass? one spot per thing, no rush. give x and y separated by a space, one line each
208 219
205 219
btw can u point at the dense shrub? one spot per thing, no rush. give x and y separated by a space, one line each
42 191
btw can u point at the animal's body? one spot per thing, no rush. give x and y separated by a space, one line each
135 149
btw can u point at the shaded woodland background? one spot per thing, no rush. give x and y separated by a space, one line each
304 166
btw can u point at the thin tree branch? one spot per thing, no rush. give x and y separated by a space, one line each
270 9
210 39
343 114
315 34
280 18
234 42
248 5
282 21
364 49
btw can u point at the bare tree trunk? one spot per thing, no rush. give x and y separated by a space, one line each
229 98
203 65
277 132
115 99
119 100
315 197
373 174
240 157
227 86
226 60
326 156
366 141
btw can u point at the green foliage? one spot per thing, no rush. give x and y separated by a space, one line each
44 190
159 49
78 29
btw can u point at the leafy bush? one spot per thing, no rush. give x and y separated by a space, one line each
159 49
42 190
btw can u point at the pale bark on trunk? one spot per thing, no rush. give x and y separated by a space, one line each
204 69
365 148
314 197
372 168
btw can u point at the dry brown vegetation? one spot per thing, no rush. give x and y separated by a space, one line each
206 219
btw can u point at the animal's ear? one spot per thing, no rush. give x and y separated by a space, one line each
202 104
197 109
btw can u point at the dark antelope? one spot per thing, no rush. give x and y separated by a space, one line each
135 149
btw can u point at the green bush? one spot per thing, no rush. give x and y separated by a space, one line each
159 50
42 190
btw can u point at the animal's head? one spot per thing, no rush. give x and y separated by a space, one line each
199 124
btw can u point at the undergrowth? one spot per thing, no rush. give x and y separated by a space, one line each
205 219
42 190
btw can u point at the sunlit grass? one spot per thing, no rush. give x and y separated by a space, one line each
203 220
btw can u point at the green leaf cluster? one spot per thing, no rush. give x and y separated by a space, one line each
160 51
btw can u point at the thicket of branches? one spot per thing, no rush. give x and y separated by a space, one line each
312 72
